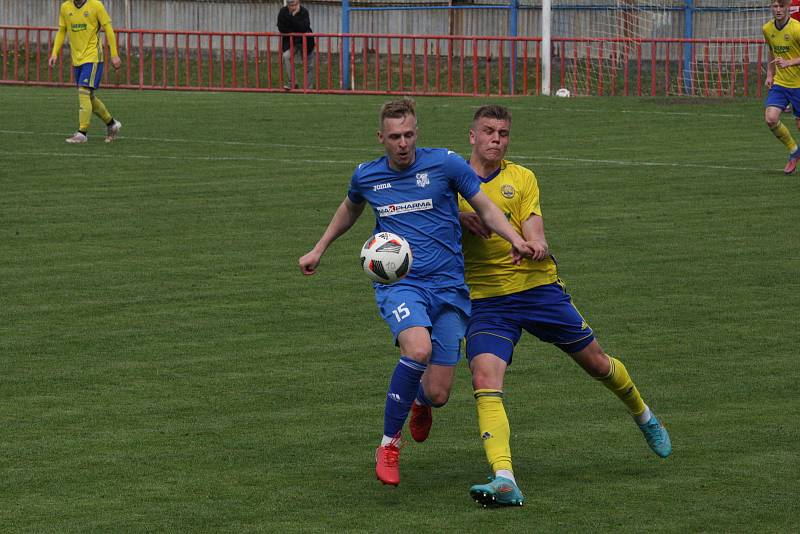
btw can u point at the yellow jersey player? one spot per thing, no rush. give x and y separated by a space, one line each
83 20
508 298
782 35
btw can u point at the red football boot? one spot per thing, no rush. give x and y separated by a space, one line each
420 422
791 165
387 462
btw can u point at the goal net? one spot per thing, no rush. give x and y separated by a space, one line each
682 47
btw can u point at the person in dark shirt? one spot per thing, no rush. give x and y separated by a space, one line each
294 18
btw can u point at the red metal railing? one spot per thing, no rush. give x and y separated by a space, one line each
400 64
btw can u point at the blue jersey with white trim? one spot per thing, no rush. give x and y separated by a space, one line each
420 203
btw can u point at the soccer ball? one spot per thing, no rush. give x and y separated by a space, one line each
563 93
386 257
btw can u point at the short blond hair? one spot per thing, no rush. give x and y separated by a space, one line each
397 109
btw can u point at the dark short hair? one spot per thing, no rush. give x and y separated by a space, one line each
492 111
397 109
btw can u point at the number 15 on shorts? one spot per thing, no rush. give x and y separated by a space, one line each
401 312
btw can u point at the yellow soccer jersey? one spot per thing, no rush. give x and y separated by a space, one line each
83 25
488 266
784 43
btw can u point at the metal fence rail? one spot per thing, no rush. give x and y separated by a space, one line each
400 64
585 18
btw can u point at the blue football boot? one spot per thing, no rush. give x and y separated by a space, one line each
657 437
500 491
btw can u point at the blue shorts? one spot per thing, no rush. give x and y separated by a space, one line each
779 96
545 311
443 311
88 75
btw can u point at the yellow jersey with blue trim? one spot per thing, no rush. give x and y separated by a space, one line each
488 267
784 43
83 25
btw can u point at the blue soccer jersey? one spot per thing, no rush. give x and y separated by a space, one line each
420 203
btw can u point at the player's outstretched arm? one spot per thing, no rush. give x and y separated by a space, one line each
533 231
497 222
345 217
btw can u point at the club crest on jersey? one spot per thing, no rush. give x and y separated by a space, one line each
507 190
422 179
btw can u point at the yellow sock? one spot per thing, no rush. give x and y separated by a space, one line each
784 136
85 110
494 428
619 382
99 109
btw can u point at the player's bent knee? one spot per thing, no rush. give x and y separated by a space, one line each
487 371
438 397
599 368
772 119
485 382
593 360
418 354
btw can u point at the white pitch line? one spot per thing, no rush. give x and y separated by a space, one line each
201 141
631 112
351 162
177 158
636 163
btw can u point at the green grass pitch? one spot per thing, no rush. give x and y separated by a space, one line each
166 368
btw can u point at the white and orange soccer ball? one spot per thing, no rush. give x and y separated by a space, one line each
563 93
386 257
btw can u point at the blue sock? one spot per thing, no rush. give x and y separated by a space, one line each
422 398
402 390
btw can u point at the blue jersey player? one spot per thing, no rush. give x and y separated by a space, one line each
414 192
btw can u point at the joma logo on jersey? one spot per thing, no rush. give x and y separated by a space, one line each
381 186
405 207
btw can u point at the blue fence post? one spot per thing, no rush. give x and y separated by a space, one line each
346 45
688 33
513 18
